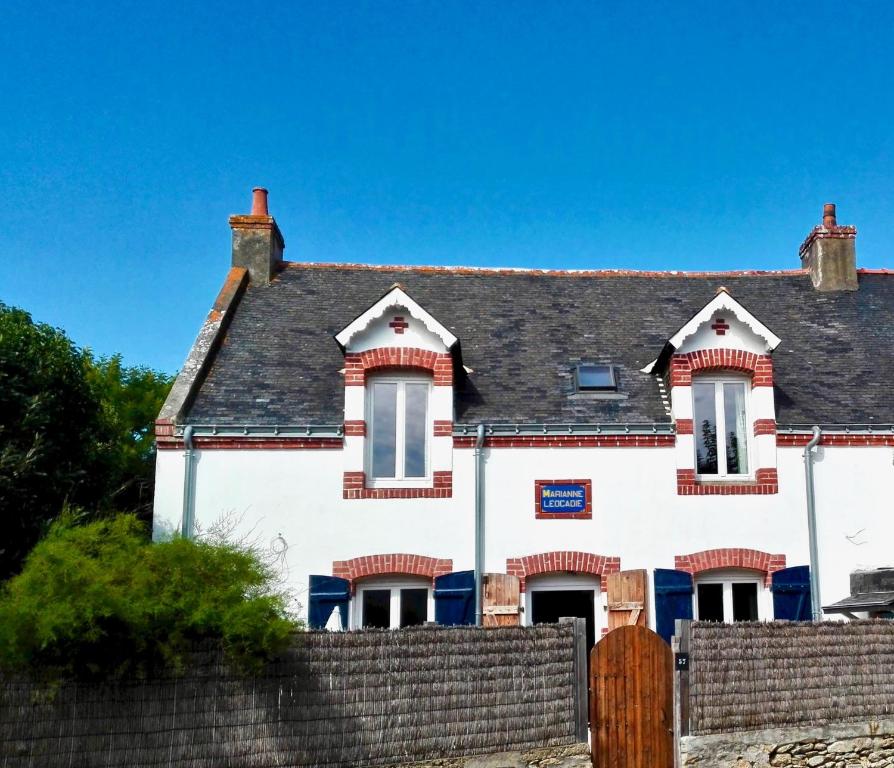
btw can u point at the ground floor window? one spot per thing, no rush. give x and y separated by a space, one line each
393 604
551 597
729 596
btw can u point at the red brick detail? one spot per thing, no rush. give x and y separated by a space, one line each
237 443
766 482
685 426
820 232
563 562
164 434
354 487
759 367
587 514
399 324
856 441
712 559
569 441
720 327
443 428
358 365
355 428
389 565
764 427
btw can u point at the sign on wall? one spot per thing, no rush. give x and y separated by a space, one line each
563 499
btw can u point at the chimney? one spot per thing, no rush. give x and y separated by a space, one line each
257 241
829 254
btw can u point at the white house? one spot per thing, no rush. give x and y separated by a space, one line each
393 431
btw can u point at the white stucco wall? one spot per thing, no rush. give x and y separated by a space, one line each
637 514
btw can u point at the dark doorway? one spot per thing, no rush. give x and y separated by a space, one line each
548 606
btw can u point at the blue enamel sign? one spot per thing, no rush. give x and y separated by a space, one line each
564 498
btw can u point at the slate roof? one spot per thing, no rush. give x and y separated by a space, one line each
522 332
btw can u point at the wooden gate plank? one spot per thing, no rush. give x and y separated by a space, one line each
631 700
500 604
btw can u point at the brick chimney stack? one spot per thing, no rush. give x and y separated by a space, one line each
257 242
829 254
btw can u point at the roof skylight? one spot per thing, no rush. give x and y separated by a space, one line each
595 378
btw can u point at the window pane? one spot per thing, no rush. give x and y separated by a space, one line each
377 608
384 429
744 602
736 436
595 377
705 420
413 607
415 430
710 602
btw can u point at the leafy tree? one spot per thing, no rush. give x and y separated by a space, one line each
98 599
130 400
49 421
72 429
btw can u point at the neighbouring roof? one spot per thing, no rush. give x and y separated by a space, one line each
863 601
522 333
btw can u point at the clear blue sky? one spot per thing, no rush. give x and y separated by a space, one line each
649 135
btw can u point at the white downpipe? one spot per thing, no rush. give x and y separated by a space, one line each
815 603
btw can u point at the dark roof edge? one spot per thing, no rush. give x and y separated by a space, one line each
467 270
191 375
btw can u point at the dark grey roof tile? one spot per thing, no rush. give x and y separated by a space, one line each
521 333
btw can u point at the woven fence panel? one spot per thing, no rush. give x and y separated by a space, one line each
339 699
750 676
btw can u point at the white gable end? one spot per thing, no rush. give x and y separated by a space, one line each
706 329
396 328
723 323
415 328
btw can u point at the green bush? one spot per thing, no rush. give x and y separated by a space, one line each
100 600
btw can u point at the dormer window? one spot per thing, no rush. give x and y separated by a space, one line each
720 425
398 445
595 378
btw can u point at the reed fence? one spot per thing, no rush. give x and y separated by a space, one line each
751 676
334 699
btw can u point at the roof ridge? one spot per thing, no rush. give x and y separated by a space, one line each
460 270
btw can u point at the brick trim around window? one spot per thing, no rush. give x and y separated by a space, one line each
760 367
358 365
354 487
563 562
394 564
766 482
714 559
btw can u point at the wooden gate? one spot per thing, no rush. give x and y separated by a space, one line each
631 700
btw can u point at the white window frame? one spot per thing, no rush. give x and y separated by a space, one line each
395 584
399 446
565 582
718 380
727 578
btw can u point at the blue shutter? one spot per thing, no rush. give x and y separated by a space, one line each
673 600
791 594
326 593
455 598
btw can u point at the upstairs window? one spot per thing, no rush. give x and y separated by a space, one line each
398 419
719 412
595 378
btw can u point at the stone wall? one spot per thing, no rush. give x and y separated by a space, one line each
840 745
571 756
